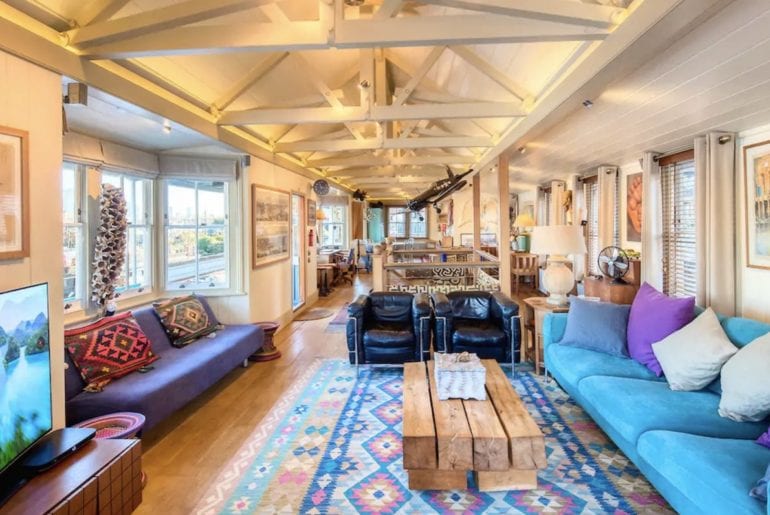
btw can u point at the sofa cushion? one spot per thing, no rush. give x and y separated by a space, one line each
715 474
746 382
384 334
108 349
470 304
654 316
392 307
179 377
598 326
764 439
634 406
692 357
477 333
574 364
184 319
760 489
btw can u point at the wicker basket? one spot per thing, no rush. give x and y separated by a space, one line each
460 376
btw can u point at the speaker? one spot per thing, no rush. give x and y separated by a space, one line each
77 93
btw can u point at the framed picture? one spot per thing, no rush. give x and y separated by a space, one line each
14 193
466 240
634 207
270 225
756 167
311 209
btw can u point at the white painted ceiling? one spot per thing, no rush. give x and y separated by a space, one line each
227 64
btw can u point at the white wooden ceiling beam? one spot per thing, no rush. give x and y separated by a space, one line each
378 143
561 11
154 20
346 114
251 78
428 171
419 74
388 9
490 71
98 11
314 35
384 160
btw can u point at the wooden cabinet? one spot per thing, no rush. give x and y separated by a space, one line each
618 293
532 312
104 477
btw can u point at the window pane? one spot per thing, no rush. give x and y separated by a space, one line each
418 225
397 222
70 194
181 203
181 258
212 205
212 268
137 261
72 253
112 178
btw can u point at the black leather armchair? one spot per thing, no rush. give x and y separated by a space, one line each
390 328
484 323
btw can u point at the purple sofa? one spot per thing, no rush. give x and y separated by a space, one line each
180 375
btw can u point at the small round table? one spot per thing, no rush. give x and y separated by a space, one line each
268 352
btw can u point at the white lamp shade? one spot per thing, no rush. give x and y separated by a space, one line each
558 240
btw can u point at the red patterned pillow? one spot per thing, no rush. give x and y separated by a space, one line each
185 319
108 349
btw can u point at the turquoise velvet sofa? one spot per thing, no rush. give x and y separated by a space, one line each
699 461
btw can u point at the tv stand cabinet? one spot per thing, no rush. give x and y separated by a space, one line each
103 477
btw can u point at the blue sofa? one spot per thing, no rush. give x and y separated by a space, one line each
180 375
699 461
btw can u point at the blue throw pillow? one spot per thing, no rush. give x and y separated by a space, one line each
597 326
760 491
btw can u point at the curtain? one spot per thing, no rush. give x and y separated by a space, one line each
357 220
715 221
652 230
541 215
202 167
608 178
575 217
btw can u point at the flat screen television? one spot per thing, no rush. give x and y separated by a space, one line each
25 372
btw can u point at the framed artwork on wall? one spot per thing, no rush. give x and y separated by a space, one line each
634 207
270 225
14 193
756 168
311 208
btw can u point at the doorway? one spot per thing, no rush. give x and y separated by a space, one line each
297 251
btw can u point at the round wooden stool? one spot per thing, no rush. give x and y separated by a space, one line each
268 352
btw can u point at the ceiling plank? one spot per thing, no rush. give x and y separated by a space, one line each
388 9
98 11
377 143
561 11
370 160
490 71
154 20
312 35
428 171
251 78
346 114
419 74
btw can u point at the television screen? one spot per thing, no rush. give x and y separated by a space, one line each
25 371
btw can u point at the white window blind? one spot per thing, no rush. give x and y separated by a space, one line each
678 217
592 225
547 201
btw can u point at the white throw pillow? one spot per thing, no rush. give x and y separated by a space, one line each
746 383
692 357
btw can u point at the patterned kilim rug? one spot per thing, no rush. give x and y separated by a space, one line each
333 445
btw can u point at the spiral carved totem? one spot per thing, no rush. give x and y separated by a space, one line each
110 248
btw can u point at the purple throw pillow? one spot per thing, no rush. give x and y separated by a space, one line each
765 439
654 316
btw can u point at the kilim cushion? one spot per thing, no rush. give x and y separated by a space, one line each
107 349
184 319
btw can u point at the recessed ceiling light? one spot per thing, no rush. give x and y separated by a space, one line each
166 127
587 104
522 150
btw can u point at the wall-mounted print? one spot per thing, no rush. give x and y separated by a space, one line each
270 225
634 207
756 167
311 221
14 193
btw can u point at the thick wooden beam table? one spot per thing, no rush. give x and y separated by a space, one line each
497 438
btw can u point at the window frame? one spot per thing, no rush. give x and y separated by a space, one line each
82 279
678 172
328 221
233 258
408 214
591 230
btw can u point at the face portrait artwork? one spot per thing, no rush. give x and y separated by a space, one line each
762 205
634 207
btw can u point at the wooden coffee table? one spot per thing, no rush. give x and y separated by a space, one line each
497 439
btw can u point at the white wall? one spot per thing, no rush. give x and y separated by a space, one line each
753 283
268 288
31 101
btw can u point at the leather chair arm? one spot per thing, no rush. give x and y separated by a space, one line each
443 323
503 306
422 314
506 312
355 329
441 304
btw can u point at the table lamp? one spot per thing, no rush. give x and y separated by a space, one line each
524 221
557 242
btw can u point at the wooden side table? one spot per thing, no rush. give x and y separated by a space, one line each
532 313
268 352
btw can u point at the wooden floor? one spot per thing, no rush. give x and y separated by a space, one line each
185 453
